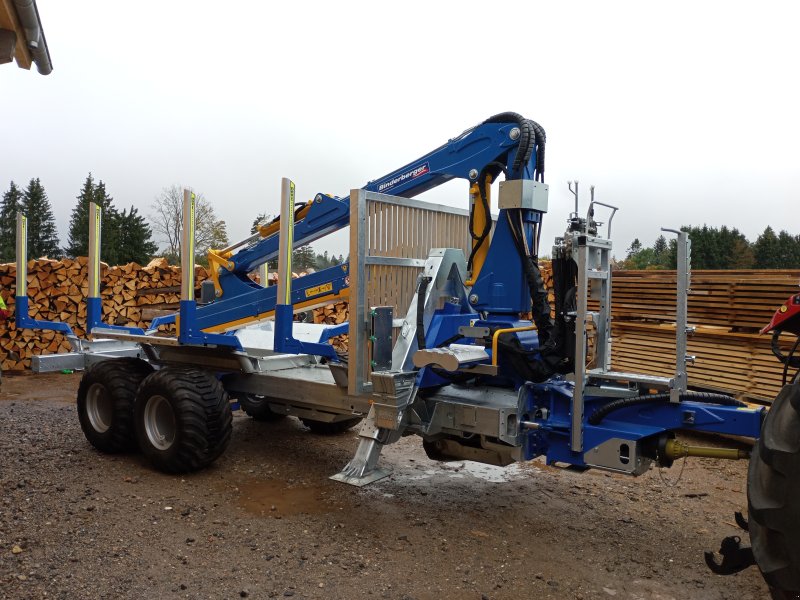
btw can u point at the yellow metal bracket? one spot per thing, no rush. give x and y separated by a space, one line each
499 332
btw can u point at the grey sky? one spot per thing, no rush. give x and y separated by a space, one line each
680 113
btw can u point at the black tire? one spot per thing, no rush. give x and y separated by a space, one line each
773 494
326 428
433 450
258 408
106 396
183 419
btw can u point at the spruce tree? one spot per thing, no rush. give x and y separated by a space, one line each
262 218
78 244
110 229
789 249
12 203
134 238
767 250
42 234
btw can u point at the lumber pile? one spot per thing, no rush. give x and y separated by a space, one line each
56 292
741 300
728 308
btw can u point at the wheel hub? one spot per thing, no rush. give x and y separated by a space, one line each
99 407
159 422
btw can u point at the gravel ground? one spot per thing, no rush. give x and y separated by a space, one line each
266 522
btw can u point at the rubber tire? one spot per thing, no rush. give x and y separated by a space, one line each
202 418
325 428
773 495
121 378
258 408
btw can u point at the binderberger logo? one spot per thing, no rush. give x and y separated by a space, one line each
412 174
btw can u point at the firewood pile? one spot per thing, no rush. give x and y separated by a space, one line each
56 292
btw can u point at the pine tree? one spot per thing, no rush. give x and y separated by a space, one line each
110 228
714 248
42 235
303 258
134 238
78 244
261 219
789 250
767 250
636 246
12 203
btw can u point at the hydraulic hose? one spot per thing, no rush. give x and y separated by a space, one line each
531 135
662 398
789 360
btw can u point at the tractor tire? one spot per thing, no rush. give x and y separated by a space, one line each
773 494
106 396
183 419
326 428
258 408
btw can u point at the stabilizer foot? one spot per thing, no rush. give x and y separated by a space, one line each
363 469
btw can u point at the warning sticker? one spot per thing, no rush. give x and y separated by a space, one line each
320 289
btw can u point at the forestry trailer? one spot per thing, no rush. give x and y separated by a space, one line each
451 338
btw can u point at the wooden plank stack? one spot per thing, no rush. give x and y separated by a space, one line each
741 300
728 308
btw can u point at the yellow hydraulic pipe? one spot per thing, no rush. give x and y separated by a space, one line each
675 450
269 229
497 335
479 220
219 260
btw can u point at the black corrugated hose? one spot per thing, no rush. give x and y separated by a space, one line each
662 398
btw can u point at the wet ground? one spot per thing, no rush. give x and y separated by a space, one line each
265 521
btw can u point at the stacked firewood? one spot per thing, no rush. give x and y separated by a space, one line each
334 314
56 292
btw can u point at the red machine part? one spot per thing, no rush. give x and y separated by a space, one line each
787 317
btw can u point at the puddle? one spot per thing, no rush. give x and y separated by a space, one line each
274 498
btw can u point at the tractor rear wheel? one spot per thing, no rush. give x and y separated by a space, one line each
773 493
183 419
105 402
330 428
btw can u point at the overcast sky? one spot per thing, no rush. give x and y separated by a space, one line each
680 113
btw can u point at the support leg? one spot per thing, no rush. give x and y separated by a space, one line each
363 469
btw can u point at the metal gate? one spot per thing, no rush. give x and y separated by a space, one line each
390 238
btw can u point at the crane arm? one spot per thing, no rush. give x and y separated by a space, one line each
506 143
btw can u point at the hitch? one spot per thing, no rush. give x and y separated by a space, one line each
741 521
735 557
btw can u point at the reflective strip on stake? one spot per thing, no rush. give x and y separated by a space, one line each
22 255
187 246
286 242
95 216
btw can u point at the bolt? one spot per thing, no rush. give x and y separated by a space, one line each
318 198
473 174
514 133
473 298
